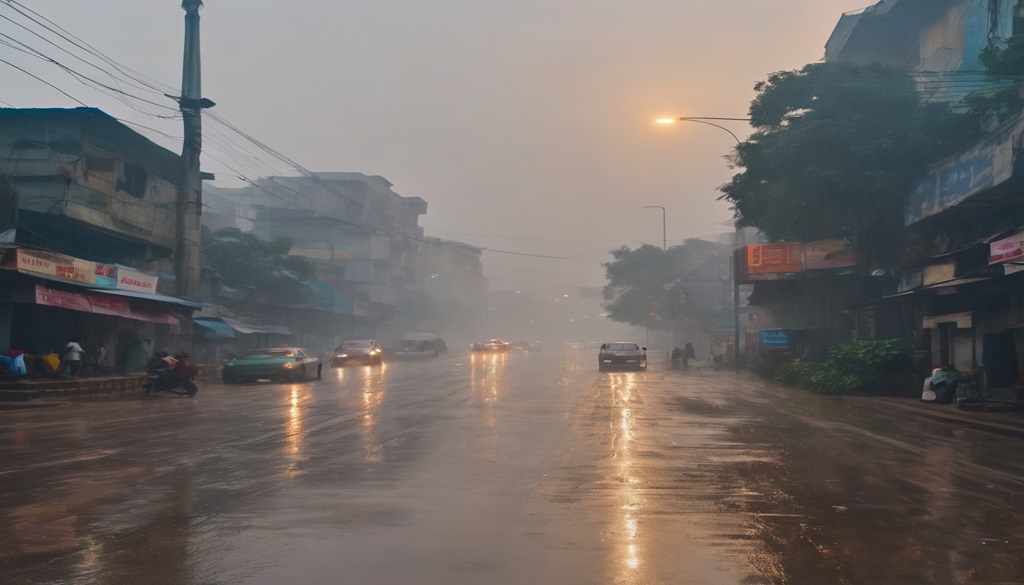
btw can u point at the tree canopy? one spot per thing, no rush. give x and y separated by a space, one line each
645 284
836 150
245 258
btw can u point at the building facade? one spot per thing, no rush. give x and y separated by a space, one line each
91 253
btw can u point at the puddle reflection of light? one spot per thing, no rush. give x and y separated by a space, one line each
623 389
373 396
339 374
294 429
487 380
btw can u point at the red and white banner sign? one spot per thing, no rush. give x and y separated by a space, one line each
108 305
136 281
62 299
100 304
1010 248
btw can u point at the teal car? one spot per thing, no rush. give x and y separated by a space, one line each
284 363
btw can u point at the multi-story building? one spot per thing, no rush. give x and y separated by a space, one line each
364 240
94 235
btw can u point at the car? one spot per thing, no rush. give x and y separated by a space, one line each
491 345
277 363
364 351
414 346
520 346
622 354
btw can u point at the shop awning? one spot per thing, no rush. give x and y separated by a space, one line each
217 329
87 302
250 327
158 298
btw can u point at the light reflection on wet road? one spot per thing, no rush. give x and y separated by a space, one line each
504 469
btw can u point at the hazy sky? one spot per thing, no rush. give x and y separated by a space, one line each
526 125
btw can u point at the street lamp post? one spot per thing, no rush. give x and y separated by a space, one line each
734 262
671 307
664 241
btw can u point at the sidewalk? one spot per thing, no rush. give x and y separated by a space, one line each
994 420
49 391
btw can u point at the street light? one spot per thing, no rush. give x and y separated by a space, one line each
734 264
704 120
672 310
664 241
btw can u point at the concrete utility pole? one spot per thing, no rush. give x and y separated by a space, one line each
190 195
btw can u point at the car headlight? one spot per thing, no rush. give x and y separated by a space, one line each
341 355
290 365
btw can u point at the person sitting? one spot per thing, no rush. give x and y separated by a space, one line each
944 383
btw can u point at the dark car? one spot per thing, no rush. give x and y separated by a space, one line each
622 354
491 345
279 363
363 351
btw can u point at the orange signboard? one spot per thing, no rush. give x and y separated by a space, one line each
775 258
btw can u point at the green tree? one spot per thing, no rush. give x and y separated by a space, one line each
1001 97
245 258
645 283
835 152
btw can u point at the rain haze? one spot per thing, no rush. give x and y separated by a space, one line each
424 293
527 126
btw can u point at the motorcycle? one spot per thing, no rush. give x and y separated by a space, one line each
176 374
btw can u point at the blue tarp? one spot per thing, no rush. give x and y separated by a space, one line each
327 298
217 329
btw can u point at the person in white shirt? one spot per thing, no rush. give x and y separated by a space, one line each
71 357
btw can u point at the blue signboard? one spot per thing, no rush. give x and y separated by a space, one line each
774 339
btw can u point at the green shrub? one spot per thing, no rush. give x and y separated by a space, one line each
861 367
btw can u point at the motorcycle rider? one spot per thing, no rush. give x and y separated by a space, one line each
162 364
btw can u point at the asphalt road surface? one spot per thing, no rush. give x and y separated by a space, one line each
504 469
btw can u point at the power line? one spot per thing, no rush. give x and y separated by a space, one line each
41 80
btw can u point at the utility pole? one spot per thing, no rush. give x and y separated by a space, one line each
190 195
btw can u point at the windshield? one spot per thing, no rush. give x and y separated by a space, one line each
623 347
356 345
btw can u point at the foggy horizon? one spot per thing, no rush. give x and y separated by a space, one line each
528 128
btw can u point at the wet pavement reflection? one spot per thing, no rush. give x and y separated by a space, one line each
505 469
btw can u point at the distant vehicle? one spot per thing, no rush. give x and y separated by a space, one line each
364 351
491 345
418 345
622 354
279 363
520 346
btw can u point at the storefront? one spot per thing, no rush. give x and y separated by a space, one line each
46 298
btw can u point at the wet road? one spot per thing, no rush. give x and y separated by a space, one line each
504 470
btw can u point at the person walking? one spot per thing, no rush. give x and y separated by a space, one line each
688 354
71 357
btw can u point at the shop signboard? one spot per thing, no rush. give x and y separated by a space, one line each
1006 249
104 304
38 262
774 259
135 281
62 299
57 265
106 276
76 270
775 340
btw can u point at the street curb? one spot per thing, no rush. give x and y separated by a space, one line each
28 390
1009 424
